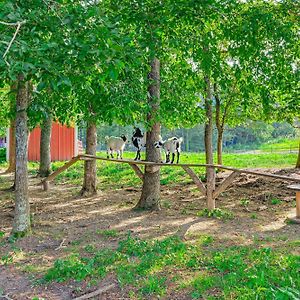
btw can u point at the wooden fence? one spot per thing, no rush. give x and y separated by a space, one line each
135 165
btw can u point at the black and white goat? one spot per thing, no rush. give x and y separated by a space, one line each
171 145
117 144
138 141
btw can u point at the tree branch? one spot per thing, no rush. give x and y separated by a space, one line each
14 36
12 24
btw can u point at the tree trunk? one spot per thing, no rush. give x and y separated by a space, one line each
298 160
12 132
210 172
45 150
21 224
12 147
219 125
220 146
89 187
150 198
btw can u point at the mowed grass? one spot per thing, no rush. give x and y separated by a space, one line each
200 270
119 175
281 144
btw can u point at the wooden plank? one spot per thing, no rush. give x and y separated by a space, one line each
295 187
196 179
245 171
61 169
137 171
225 183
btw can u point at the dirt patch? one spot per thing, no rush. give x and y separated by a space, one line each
63 224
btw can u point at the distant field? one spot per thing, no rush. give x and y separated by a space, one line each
282 144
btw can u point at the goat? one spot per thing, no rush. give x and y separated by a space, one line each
138 141
114 143
171 145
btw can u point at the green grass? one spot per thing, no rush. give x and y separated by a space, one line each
280 144
238 272
118 175
217 213
108 233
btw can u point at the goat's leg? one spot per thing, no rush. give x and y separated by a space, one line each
111 153
173 157
178 155
107 153
167 157
121 154
137 154
118 154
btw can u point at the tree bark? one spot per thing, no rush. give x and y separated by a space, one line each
45 149
21 224
12 132
210 172
12 147
220 147
150 198
298 160
220 126
89 187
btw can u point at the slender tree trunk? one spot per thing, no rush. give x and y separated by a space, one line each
220 146
298 160
21 224
12 147
210 172
150 198
90 170
12 132
45 149
220 126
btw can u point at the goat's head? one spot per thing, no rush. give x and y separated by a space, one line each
123 137
137 132
158 144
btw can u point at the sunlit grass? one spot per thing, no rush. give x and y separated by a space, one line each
119 175
237 272
281 144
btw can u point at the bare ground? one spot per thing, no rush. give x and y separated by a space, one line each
63 222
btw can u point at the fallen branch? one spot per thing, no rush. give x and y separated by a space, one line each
60 245
95 293
6 297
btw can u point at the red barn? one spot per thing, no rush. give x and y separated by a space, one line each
64 143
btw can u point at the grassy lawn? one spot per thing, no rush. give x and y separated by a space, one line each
159 266
202 266
117 175
281 144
